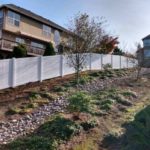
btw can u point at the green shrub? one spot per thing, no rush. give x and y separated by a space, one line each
59 89
13 111
20 51
84 80
107 101
79 102
34 95
32 105
106 107
49 50
89 124
120 99
129 94
107 66
33 143
59 129
94 74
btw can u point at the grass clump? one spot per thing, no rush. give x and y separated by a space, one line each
48 136
59 128
137 136
79 102
92 123
33 143
59 89
34 95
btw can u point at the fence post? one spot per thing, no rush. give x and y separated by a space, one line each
127 62
120 62
40 68
61 65
112 61
90 62
13 72
101 61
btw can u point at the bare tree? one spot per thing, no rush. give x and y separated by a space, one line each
85 35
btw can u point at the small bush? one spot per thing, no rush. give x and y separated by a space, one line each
107 101
94 74
49 50
20 51
59 128
120 99
51 96
79 102
84 80
89 124
107 66
34 95
59 89
106 107
33 143
129 94
13 111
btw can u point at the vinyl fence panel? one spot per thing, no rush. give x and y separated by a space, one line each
15 72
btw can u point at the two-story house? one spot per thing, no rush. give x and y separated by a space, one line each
18 25
144 53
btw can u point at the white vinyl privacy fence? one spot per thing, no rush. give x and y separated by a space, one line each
15 72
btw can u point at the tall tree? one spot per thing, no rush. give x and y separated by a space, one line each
86 33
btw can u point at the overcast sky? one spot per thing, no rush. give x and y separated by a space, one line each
128 19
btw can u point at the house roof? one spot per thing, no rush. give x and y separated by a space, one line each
147 37
34 16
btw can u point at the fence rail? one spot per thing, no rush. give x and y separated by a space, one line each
15 72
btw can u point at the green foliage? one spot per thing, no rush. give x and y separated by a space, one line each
137 135
49 50
118 51
106 106
33 143
59 128
59 89
20 51
107 66
89 124
34 95
48 136
79 102
129 94
120 99
107 98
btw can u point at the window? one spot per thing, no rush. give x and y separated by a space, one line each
1 17
46 31
57 37
147 53
146 42
38 45
20 40
13 19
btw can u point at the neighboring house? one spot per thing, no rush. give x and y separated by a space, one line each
144 53
18 25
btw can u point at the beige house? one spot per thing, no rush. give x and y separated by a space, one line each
18 25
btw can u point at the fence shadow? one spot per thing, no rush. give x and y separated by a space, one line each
136 137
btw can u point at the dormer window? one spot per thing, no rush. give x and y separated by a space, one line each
13 18
46 31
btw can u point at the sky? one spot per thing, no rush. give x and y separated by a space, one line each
127 19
